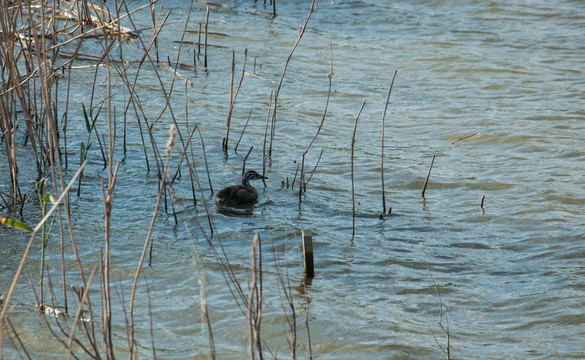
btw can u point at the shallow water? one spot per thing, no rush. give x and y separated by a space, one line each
509 275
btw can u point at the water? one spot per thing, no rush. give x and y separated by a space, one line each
509 275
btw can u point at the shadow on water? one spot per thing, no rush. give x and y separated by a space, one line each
237 211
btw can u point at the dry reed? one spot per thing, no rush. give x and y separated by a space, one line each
352 169
205 38
303 183
382 147
463 137
279 86
444 327
424 189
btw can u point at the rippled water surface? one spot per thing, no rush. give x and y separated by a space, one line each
510 274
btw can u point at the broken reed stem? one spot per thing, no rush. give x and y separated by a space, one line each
244 130
205 39
428 175
382 151
463 137
301 33
301 178
352 180
292 186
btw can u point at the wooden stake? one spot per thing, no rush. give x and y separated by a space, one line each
308 251
199 41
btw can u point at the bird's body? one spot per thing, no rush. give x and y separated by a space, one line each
243 194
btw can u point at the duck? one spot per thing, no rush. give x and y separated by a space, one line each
242 194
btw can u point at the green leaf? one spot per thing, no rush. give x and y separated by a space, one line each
86 116
15 224
96 117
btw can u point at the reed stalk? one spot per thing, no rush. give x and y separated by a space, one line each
82 300
264 157
233 96
254 303
287 302
352 180
243 130
205 39
199 41
203 283
313 171
303 184
107 313
244 161
231 105
382 147
444 327
279 86
424 189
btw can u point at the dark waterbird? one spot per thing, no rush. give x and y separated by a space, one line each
244 194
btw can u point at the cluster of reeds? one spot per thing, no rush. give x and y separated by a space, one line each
40 51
